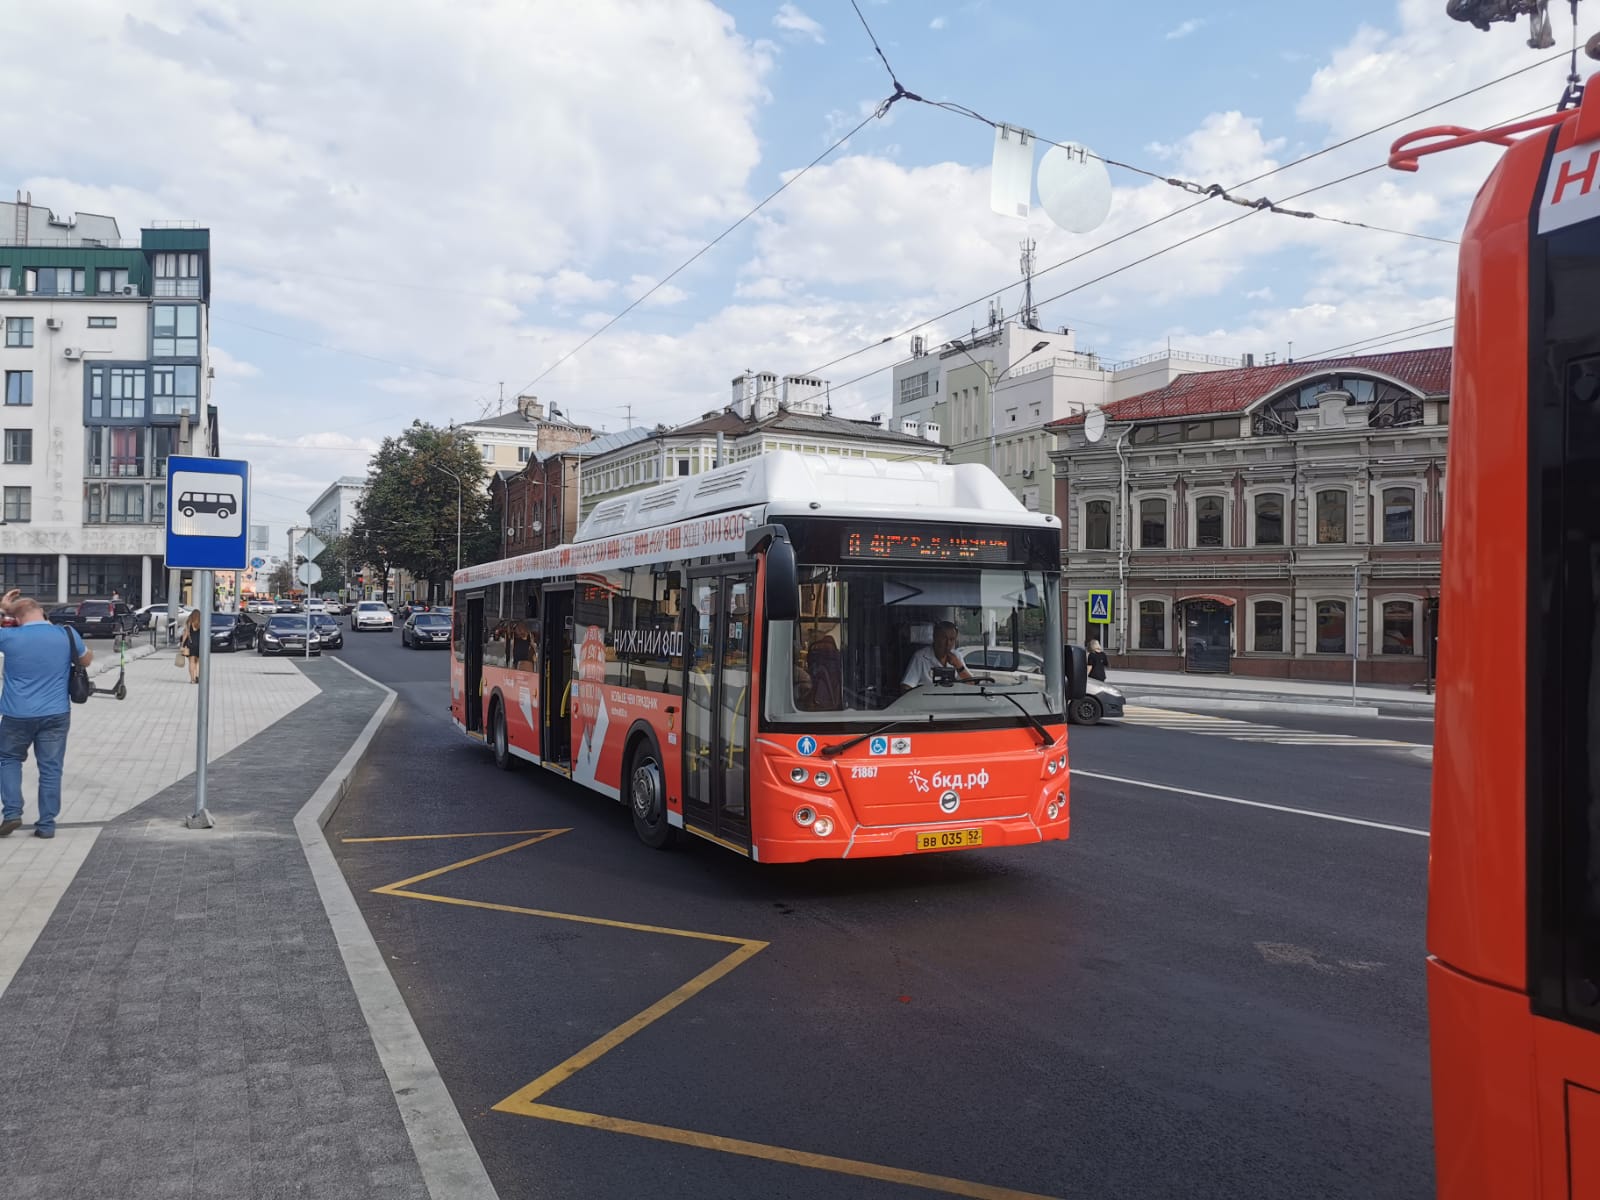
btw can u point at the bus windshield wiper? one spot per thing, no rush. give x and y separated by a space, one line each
1038 726
839 748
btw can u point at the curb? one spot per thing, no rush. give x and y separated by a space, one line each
111 663
450 1164
1258 704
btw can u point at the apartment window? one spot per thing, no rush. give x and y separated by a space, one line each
913 387
56 281
1152 625
1153 524
1399 514
158 501
488 454
19 504
93 503
19 332
125 504
110 281
127 451
19 388
1332 512
1331 626
683 466
174 331
1208 521
102 322
1269 519
524 453
177 275
163 444
19 446
32 574
1097 525
124 393
1267 631
1399 627
174 390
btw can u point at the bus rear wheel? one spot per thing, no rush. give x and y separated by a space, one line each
499 740
647 796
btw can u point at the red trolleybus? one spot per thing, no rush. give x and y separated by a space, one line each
765 656
1514 876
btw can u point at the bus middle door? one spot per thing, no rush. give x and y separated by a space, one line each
718 702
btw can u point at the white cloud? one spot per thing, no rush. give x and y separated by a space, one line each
937 23
792 20
664 296
230 368
1192 25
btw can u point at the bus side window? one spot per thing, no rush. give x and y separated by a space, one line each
524 641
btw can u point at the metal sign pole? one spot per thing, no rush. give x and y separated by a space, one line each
1355 627
200 818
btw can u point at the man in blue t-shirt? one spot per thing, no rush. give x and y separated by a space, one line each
35 708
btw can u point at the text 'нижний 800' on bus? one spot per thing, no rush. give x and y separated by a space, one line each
763 656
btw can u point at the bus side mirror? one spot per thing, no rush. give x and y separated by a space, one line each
1076 659
783 581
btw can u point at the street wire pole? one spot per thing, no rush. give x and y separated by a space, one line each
1355 627
200 818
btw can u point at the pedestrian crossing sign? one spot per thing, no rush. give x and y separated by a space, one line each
1100 606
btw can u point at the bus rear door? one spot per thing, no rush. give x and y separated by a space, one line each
719 698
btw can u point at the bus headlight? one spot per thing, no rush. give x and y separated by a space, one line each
1062 762
1052 766
798 774
823 778
804 815
823 826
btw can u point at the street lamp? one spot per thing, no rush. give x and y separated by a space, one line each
457 478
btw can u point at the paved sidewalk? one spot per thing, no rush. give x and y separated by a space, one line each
184 1024
1152 686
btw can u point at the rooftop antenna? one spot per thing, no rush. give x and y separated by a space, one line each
1029 314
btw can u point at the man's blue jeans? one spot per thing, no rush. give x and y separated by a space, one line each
48 737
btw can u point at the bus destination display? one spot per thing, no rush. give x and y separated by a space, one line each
926 545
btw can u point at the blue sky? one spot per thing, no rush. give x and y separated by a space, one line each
411 204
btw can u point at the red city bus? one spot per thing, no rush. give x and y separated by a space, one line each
1514 876
748 655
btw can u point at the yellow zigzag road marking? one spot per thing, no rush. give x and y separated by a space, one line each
525 1100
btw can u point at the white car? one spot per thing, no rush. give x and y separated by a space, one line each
316 606
371 614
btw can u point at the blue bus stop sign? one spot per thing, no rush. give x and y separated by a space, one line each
207 517
258 563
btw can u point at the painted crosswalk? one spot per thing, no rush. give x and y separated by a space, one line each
1207 725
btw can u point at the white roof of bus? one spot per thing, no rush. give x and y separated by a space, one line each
783 482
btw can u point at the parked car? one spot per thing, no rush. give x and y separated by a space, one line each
1100 700
285 633
1006 665
371 614
426 629
232 632
61 614
329 634
103 618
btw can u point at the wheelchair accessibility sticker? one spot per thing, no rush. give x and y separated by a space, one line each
878 745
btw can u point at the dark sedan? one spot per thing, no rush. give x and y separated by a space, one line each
103 618
232 632
329 635
285 635
426 629
62 614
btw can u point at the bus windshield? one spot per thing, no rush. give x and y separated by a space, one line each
915 642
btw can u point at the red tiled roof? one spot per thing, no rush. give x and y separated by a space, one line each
1204 393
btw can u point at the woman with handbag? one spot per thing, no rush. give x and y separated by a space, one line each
189 646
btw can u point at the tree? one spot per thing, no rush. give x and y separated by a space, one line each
281 581
334 562
407 518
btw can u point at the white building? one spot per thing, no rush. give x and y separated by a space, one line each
511 440
768 412
990 395
335 510
105 366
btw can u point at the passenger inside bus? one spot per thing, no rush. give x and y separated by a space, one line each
826 673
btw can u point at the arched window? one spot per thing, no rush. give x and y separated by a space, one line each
1266 632
1399 514
1208 521
1333 512
1153 524
1387 404
1097 525
1269 519
1331 627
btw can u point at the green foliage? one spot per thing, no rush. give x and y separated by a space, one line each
338 572
407 518
281 581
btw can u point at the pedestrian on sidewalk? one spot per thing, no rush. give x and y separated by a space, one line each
1097 660
189 647
35 707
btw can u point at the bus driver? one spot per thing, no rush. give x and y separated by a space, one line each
941 654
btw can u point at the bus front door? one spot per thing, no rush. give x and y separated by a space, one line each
473 706
718 699
559 702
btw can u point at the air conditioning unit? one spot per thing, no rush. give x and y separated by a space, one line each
128 289
72 352
52 322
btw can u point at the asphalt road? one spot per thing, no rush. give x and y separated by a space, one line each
1198 995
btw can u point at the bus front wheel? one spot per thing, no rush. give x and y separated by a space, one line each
647 796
